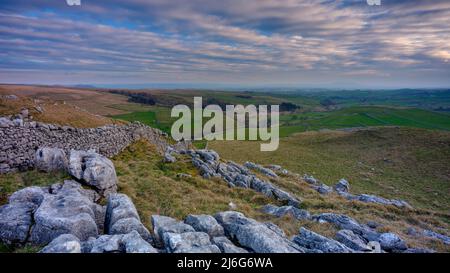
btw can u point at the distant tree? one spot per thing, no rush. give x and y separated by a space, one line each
327 102
143 98
244 96
288 107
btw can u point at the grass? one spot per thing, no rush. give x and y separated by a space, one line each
363 116
405 163
55 112
154 116
9 183
156 188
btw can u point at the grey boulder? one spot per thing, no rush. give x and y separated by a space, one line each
205 223
51 159
297 213
342 186
162 224
5 122
226 246
95 170
121 243
437 236
313 241
68 210
261 169
15 222
345 222
122 217
66 243
392 242
351 240
254 235
189 242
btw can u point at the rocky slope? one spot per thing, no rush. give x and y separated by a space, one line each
86 214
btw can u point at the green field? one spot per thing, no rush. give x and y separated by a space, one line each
290 123
154 116
363 116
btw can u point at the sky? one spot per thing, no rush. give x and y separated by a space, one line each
264 43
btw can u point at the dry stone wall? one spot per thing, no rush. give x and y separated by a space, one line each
20 140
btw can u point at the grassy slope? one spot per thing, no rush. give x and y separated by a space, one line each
54 112
156 189
410 164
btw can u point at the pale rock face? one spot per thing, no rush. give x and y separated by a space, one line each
254 235
66 243
298 214
266 171
51 159
163 224
313 241
351 240
68 211
95 170
120 243
5 122
15 222
342 186
345 222
392 242
226 246
205 223
122 217
189 242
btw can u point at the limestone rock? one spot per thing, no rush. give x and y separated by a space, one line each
66 243
261 169
168 158
121 243
437 236
5 122
189 242
323 189
205 223
68 211
122 217
310 179
342 186
226 246
311 240
95 170
351 240
392 242
345 222
298 214
15 222
162 224
51 159
253 235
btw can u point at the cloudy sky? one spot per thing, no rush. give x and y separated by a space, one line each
304 43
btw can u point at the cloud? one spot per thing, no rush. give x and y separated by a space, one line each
216 40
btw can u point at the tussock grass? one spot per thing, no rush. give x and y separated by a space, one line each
400 163
9 183
156 188
56 112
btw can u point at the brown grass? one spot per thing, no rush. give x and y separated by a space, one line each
94 101
62 110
